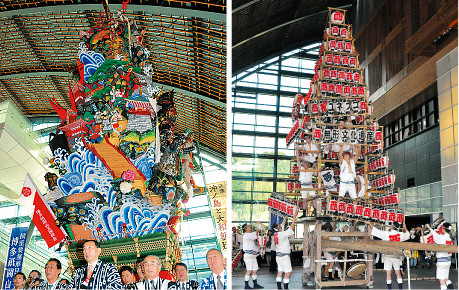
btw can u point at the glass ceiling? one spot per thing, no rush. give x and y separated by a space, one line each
261 108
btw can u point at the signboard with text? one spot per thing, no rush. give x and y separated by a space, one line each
16 251
217 195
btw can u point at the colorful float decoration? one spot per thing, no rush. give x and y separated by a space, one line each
125 174
336 111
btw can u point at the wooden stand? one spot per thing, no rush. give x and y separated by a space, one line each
319 245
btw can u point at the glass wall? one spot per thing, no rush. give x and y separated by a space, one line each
261 119
417 120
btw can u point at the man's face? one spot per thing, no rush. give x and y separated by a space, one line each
32 276
141 271
126 277
52 272
248 229
18 281
347 156
215 261
152 268
91 252
181 273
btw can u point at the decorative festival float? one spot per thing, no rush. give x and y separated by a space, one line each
335 115
124 174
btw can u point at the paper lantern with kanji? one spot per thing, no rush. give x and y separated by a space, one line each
337 17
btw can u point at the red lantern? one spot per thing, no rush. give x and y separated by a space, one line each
350 209
329 59
375 214
354 91
326 73
358 210
331 88
349 76
367 212
348 46
337 59
333 205
383 215
337 17
340 45
335 30
357 77
346 90
332 44
392 216
333 74
314 108
343 32
317 133
352 62
345 60
339 89
290 186
387 200
341 207
341 75
323 87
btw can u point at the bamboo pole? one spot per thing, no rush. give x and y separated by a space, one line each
385 247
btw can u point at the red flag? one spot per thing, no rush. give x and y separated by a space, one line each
41 214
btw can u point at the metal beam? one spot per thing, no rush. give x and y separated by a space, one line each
213 163
13 96
67 74
285 24
114 7
34 74
191 94
25 36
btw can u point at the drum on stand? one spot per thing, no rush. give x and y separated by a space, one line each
353 268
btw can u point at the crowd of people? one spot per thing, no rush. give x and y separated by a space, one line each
278 249
100 275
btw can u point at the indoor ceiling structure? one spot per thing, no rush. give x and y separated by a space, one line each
187 39
263 29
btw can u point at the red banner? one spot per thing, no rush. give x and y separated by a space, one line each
44 220
41 214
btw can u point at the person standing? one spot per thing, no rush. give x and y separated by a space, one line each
391 261
217 279
34 279
443 258
251 251
127 277
53 269
140 271
96 275
19 280
347 172
281 238
152 267
182 283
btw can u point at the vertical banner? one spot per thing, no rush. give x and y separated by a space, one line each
16 250
217 195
